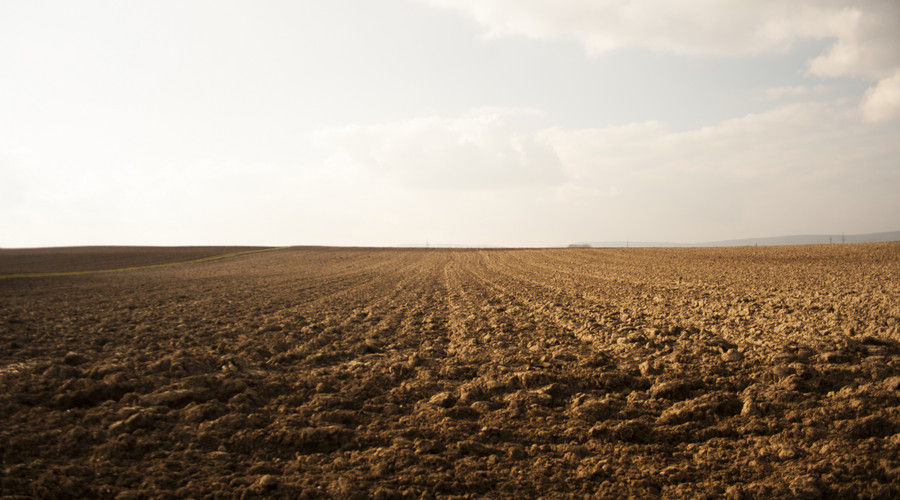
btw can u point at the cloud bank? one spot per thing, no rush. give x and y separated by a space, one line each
864 35
798 167
797 162
483 148
502 148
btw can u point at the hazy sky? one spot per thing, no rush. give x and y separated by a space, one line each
501 122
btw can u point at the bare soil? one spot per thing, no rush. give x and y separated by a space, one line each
66 259
309 372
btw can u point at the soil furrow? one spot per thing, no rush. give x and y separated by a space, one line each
409 373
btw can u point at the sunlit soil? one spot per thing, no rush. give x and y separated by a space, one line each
759 372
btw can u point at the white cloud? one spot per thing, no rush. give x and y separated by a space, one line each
684 27
497 147
882 102
484 148
776 93
866 35
805 166
808 140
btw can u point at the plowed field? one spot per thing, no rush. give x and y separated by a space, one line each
742 372
77 259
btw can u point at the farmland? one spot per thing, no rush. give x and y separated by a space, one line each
79 259
311 371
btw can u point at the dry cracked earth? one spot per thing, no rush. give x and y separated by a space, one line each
386 373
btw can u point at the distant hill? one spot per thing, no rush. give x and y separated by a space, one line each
796 239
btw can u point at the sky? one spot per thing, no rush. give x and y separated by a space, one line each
469 122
